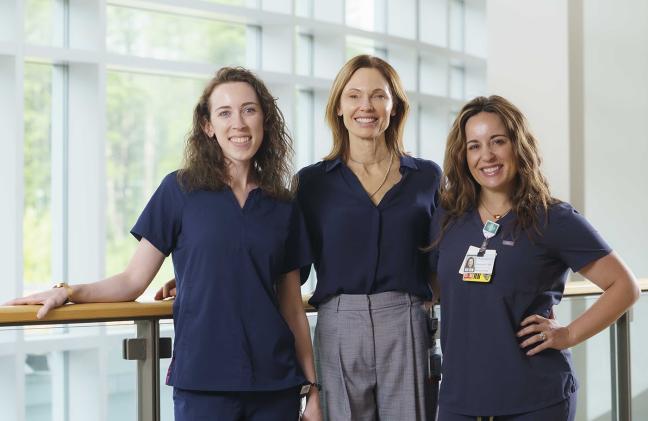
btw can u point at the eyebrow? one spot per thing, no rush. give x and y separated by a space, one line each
227 107
493 136
360 90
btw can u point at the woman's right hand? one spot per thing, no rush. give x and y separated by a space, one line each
167 290
50 299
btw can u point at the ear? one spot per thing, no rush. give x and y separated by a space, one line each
208 129
339 112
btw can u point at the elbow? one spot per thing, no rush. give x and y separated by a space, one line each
132 288
635 293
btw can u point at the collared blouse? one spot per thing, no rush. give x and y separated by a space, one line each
363 248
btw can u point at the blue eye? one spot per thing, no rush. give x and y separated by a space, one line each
249 110
224 114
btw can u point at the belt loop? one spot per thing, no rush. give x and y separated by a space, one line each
368 301
337 307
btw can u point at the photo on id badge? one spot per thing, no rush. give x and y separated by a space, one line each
469 265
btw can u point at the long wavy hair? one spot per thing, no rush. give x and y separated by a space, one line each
205 165
530 198
393 133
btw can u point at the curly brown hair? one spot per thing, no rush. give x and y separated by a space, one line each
205 165
393 133
531 197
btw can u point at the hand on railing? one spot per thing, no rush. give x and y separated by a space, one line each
168 290
50 299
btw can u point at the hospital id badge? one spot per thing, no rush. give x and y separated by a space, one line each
476 268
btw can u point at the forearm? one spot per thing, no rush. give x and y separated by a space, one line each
127 285
113 289
298 324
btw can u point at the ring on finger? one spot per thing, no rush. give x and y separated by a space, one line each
543 336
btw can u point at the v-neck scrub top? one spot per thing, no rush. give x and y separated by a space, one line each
485 372
363 248
229 332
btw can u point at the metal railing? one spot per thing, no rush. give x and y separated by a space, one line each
148 347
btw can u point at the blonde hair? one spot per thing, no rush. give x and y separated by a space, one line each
393 133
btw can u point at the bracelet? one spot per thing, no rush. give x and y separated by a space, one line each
68 290
306 388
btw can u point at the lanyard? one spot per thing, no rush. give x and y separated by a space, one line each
489 231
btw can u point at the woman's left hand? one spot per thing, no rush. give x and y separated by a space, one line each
313 411
545 333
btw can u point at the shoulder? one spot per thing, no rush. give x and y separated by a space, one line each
561 212
428 166
425 173
172 185
312 173
313 170
171 181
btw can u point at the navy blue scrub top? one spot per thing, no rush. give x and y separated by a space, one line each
485 372
361 248
229 333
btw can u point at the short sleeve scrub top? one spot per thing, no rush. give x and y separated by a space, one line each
229 332
485 372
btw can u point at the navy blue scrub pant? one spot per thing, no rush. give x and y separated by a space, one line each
281 405
562 411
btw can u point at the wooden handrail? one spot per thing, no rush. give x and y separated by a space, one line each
134 310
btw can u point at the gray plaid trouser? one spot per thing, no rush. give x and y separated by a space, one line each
371 356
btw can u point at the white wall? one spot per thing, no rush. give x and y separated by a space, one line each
527 64
616 137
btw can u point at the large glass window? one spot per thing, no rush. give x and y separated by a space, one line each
148 118
44 22
37 216
175 37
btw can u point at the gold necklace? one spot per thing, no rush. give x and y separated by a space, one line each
391 161
497 216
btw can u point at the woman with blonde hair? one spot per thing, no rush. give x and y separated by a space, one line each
505 357
368 206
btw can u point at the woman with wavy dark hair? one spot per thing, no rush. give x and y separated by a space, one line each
505 357
242 342
368 207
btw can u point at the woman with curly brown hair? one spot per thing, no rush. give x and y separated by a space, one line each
242 342
505 357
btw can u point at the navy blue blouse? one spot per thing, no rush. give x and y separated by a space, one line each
485 372
229 333
361 248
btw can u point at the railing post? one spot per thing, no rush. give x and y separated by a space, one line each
620 368
148 372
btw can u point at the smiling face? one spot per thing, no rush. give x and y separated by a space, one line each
366 104
489 153
236 119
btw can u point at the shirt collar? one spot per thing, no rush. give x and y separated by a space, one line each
409 162
332 163
405 161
